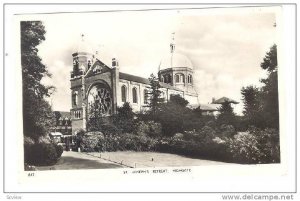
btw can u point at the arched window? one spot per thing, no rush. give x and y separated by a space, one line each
145 96
182 78
190 79
123 93
177 78
75 98
134 95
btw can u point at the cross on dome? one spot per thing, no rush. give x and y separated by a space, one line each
172 44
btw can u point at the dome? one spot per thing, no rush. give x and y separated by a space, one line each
174 60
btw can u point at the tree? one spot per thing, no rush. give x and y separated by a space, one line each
252 98
270 60
261 107
95 117
226 115
177 99
125 118
37 114
154 95
270 89
33 70
173 117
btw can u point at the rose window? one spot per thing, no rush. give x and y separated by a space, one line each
99 101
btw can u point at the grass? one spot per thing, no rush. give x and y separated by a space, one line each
75 160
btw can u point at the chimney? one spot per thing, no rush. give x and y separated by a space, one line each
213 100
115 62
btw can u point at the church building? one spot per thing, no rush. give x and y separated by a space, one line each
96 85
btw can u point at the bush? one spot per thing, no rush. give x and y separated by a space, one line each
44 140
227 130
41 154
149 128
90 141
255 146
206 134
59 150
244 148
110 129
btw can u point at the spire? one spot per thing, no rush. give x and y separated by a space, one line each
172 44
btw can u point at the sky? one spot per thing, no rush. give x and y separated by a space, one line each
225 46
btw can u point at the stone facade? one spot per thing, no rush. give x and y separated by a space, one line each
101 87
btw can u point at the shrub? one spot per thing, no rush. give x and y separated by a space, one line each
41 154
244 148
149 128
227 130
255 146
205 134
90 140
59 150
44 140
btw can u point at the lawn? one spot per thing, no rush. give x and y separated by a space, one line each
152 159
74 160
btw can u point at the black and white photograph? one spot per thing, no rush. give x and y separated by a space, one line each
140 92
150 89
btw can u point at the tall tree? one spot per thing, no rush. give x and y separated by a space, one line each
261 104
270 88
154 95
226 116
252 98
37 115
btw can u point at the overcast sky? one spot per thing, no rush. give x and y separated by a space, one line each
225 48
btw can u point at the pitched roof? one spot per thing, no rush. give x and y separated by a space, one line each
133 78
209 107
223 100
138 79
206 107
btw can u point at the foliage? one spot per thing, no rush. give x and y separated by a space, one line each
96 118
255 146
226 115
261 104
198 111
28 141
244 148
124 119
270 60
172 118
37 117
149 128
178 100
199 146
96 141
154 95
270 100
227 130
37 114
90 140
59 150
44 140
41 154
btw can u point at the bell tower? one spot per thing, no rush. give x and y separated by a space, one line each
82 58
